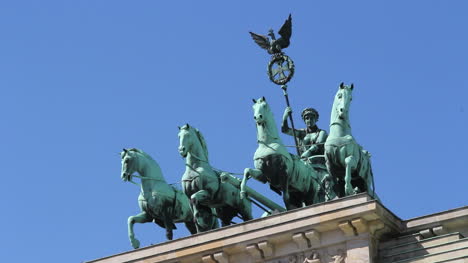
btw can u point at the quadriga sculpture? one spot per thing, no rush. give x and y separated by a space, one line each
158 201
287 174
347 162
203 185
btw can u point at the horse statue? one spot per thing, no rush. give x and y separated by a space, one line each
286 173
158 201
203 185
347 162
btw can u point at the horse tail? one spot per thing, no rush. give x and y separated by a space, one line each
373 184
371 174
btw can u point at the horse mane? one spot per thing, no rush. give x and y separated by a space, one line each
157 173
141 152
202 142
271 123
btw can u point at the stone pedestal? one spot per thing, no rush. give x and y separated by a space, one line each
354 229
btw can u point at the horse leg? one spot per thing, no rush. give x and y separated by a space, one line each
248 173
311 196
200 197
370 180
204 219
141 218
190 225
336 189
225 215
245 209
351 164
286 197
168 225
201 213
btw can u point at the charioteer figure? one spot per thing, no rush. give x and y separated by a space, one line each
311 139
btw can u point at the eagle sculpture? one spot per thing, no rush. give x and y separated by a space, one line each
273 45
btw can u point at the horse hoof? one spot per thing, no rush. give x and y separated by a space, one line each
349 191
135 243
356 190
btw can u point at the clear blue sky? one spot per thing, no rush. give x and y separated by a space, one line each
80 80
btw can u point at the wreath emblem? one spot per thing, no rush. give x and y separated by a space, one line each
280 69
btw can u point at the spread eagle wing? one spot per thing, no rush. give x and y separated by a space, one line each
261 40
285 33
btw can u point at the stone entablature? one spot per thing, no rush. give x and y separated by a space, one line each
328 232
354 229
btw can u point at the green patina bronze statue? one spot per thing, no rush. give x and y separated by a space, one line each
158 201
273 45
327 166
287 174
310 142
203 185
311 139
347 162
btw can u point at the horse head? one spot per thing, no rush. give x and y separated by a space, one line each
263 116
192 141
342 102
128 164
261 111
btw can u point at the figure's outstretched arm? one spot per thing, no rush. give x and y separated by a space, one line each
142 217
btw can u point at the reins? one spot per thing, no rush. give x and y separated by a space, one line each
149 178
294 146
216 169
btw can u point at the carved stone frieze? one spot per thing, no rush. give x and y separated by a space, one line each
331 254
339 257
313 257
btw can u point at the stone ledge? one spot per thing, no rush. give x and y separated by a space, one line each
454 218
281 227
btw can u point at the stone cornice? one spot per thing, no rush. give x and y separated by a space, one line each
351 216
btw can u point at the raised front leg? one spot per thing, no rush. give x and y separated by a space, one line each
351 164
140 218
248 173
